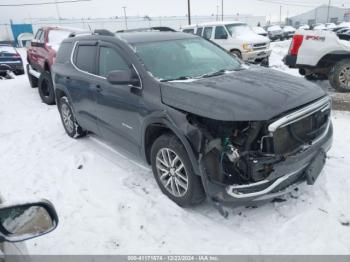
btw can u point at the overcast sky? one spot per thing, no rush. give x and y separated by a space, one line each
109 8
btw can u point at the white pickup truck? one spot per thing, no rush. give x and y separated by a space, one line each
321 55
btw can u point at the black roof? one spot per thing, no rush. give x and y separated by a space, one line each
154 28
144 37
134 37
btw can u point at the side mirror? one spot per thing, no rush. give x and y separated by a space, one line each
122 77
25 221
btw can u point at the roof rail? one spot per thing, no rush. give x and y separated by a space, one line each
104 32
74 34
147 29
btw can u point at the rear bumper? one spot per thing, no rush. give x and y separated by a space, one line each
287 175
290 61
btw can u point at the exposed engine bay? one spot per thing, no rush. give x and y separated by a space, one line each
238 153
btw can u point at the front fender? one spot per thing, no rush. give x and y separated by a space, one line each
178 125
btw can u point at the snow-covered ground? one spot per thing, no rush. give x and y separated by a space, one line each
109 203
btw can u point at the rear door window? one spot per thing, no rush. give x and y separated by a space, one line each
220 32
85 58
110 60
207 32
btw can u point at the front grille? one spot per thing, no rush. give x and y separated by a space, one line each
302 132
260 46
298 129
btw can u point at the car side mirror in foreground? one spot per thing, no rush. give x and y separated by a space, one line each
122 77
25 221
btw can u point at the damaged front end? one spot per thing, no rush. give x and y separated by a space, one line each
249 161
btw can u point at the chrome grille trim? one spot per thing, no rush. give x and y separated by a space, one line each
233 190
320 105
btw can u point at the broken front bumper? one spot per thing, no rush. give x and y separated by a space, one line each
304 166
290 61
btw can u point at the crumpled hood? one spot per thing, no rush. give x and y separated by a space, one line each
253 94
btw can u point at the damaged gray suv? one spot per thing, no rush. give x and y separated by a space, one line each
209 125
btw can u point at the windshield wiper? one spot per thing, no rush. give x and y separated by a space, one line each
217 73
177 78
220 72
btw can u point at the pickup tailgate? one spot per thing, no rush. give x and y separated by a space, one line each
309 46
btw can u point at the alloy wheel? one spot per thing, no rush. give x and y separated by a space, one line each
172 172
344 77
67 118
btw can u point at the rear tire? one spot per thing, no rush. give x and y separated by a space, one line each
314 76
46 91
70 124
339 76
19 72
171 164
33 81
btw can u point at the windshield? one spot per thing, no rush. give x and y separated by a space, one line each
57 36
239 29
184 59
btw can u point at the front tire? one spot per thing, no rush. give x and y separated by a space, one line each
173 171
45 86
265 62
339 76
70 124
237 53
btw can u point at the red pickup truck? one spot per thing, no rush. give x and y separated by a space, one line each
40 57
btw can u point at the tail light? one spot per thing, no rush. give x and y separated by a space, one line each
295 45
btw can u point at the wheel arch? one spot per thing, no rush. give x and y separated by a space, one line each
156 127
235 49
332 58
61 92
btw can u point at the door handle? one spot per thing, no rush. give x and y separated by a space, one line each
98 88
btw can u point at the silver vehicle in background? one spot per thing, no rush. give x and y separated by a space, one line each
274 32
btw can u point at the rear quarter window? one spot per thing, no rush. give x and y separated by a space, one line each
64 53
85 58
